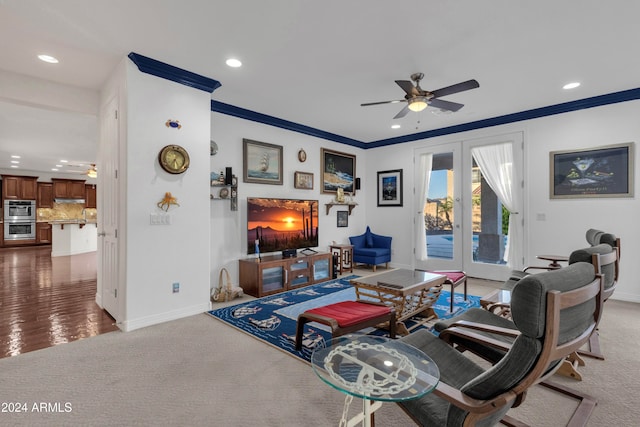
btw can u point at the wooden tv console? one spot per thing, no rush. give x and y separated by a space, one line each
273 274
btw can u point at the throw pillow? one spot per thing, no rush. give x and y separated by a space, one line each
369 240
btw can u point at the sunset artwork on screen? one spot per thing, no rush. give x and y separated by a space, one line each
280 224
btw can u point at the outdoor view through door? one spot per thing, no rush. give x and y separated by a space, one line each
489 220
466 222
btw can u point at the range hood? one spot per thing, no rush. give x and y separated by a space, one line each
81 201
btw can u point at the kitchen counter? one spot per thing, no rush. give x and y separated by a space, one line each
81 222
73 236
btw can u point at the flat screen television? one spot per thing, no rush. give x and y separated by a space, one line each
280 224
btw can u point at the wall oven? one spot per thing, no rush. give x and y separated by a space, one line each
19 210
19 230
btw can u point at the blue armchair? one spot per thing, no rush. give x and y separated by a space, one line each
371 249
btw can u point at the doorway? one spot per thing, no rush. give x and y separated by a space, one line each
465 222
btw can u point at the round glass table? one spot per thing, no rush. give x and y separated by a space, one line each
375 369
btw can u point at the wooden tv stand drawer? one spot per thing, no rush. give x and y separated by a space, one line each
274 274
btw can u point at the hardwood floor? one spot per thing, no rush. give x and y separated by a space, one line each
47 301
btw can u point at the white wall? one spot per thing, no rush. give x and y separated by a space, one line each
228 229
159 255
566 220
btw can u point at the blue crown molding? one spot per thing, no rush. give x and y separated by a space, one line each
581 104
169 72
221 107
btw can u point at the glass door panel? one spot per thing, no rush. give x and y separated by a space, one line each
466 225
442 211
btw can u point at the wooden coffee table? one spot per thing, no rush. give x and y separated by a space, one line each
410 292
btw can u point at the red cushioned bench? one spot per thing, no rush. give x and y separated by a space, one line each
348 316
454 278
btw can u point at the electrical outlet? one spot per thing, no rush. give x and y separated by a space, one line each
176 287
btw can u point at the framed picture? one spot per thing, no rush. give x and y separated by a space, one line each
594 172
303 180
337 171
343 218
262 162
390 188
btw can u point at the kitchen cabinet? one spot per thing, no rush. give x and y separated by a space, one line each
19 187
68 188
45 195
274 274
90 197
43 232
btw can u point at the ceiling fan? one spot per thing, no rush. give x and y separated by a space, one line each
418 99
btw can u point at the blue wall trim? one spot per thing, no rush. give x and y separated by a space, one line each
581 104
221 107
169 72
596 101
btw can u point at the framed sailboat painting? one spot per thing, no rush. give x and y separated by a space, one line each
262 162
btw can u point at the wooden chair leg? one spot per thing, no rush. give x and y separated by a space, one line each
569 367
594 347
585 407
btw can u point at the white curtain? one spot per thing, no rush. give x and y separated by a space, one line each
424 173
496 164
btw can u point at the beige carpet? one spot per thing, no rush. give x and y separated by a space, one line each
198 371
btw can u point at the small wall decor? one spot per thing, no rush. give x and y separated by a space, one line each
593 172
174 159
390 188
302 155
342 218
337 171
167 201
303 180
262 162
173 124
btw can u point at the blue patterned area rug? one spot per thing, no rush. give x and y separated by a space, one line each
273 319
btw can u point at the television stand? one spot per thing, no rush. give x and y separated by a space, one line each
273 274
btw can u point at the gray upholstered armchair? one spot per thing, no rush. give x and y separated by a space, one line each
553 315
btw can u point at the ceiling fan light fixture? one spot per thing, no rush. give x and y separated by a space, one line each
418 103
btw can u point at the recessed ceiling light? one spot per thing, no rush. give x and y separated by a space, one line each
54 169
14 156
14 166
15 162
48 58
58 166
235 63
395 126
571 85
64 161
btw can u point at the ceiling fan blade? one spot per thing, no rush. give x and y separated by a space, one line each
383 102
408 87
445 105
450 90
402 112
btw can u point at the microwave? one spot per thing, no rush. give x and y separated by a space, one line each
25 230
19 210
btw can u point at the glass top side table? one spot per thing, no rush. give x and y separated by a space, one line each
376 369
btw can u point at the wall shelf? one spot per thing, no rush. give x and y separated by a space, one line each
332 204
229 191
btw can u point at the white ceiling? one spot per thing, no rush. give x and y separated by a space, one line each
315 62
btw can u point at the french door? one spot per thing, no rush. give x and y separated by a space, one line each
465 223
